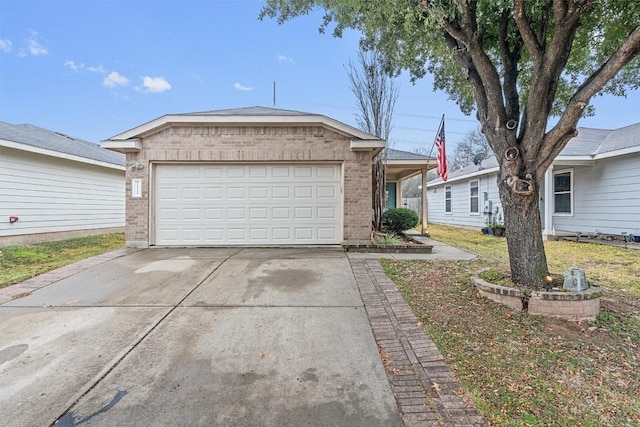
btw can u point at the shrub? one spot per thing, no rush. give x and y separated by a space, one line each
400 219
388 239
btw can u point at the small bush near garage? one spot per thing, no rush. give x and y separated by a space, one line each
400 219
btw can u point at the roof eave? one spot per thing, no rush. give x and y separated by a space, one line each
373 145
480 172
51 153
622 152
413 162
133 145
574 161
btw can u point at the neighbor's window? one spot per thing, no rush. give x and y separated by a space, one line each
474 200
563 192
447 199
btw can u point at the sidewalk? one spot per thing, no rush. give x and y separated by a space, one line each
426 391
440 251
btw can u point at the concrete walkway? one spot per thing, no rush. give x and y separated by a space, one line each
425 390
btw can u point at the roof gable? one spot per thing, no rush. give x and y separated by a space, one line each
249 111
129 141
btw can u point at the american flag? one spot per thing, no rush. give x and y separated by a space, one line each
441 157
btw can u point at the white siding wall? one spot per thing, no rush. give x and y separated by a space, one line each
606 197
55 195
460 215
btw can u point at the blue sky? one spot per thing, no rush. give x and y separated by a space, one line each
93 69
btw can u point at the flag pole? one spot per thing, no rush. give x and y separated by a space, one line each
424 193
436 137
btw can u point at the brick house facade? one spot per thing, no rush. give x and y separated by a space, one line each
250 136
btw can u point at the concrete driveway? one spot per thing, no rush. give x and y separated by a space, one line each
196 337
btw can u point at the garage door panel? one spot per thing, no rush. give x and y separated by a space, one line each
281 192
303 192
328 172
234 214
327 213
258 172
258 193
212 171
235 193
258 213
213 193
327 192
247 204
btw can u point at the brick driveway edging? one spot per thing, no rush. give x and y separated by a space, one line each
425 389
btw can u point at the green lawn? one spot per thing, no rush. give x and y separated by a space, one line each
18 263
524 370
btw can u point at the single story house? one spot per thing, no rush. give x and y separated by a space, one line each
246 176
55 186
592 187
250 176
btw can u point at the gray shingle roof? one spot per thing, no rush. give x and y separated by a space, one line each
54 141
589 143
619 139
586 143
393 154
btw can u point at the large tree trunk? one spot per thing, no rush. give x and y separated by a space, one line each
524 235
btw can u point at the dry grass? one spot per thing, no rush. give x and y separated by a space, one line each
18 263
525 370
613 267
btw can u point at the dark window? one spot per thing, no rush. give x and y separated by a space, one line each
473 197
447 199
562 193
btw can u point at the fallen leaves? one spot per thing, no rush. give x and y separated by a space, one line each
556 372
21 295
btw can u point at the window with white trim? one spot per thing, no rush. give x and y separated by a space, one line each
474 197
447 199
563 192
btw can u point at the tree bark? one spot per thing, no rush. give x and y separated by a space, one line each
378 187
523 227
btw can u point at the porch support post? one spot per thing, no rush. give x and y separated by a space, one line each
399 193
548 203
425 204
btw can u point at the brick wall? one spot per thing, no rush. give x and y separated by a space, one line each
253 144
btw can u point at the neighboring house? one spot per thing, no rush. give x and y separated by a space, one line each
54 186
593 186
247 176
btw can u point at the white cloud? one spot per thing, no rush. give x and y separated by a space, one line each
35 48
282 58
115 79
97 69
72 65
155 84
238 86
6 45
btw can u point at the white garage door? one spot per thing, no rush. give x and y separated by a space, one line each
202 204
